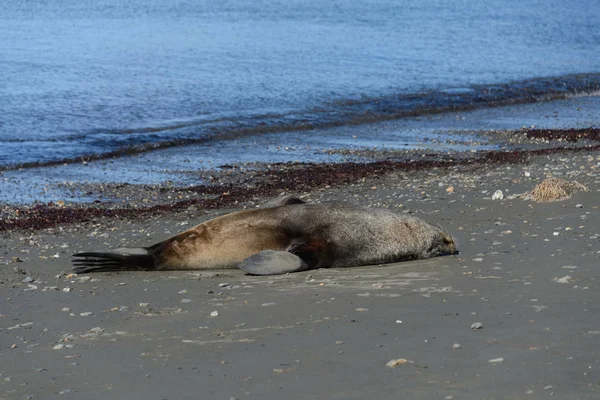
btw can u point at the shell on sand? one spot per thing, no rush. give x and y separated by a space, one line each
554 189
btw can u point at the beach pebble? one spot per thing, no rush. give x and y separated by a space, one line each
86 314
396 362
186 300
66 309
496 360
579 205
67 289
214 314
224 284
477 325
564 279
28 280
457 346
498 195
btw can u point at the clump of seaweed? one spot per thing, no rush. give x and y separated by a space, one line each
554 189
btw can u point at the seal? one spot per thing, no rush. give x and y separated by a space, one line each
287 235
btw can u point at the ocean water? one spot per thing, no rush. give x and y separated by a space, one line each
92 77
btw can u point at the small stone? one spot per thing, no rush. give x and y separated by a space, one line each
28 280
396 362
362 309
457 346
527 174
66 309
498 195
67 289
86 314
214 314
548 387
450 189
58 347
564 279
496 360
224 284
144 304
579 206
186 300
477 325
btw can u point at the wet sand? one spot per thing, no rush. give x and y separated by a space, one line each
527 272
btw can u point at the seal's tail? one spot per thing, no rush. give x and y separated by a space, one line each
114 260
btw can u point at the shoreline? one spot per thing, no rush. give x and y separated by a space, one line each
233 187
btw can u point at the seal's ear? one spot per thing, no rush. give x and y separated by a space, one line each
283 201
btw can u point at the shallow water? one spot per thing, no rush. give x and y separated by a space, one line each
89 77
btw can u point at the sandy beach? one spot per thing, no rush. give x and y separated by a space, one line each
124 123
527 273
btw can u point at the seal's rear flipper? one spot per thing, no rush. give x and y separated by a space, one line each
271 262
124 259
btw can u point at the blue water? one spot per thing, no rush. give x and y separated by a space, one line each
86 77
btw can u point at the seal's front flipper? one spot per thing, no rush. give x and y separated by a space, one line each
271 262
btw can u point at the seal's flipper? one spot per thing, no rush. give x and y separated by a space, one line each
271 262
124 259
283 201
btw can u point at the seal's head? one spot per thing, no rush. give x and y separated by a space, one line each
443 244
